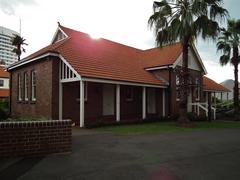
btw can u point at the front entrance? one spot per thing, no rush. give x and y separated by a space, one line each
108 99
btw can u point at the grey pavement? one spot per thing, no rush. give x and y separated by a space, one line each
207 155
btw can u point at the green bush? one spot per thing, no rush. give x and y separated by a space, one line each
195 117
4 110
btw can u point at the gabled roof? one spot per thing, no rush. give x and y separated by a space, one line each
3 73
104 59
211 85
166 55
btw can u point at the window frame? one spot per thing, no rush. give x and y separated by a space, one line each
25 86
19 97
2 85
197 82
33 86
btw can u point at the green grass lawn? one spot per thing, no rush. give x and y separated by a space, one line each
166 127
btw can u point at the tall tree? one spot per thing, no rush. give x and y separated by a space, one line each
229 43
18 42
185 21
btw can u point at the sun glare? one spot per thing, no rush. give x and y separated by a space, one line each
95 35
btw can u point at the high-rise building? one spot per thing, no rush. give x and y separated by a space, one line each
7 56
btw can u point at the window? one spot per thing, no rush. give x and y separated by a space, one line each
33 85
129 94
1 83
197 89
25 86
19 87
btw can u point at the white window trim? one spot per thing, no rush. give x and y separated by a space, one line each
25 86
19 88
33 86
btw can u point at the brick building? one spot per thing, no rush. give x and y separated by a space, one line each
4 84
97 80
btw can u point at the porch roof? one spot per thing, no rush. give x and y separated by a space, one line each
212 86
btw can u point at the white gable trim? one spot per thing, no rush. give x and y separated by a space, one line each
159 67
55 34
70 67
46 55
120 82
198 58
30 60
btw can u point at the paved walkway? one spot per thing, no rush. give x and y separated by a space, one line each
209 155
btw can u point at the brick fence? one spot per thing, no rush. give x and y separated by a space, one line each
35 138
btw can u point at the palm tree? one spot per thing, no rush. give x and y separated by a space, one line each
228 43
185 21
18 42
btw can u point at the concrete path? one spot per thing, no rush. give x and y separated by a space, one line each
209 155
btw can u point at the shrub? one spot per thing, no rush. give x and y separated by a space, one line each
4 110
195 117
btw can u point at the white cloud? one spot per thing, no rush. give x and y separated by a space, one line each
9 6
122 21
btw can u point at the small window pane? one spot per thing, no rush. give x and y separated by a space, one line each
1 83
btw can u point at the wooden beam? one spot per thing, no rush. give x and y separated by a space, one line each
144 103
163 103
81 103
117 102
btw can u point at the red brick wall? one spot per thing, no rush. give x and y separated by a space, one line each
46 104
35 138
130 109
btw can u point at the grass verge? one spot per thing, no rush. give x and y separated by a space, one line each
166 127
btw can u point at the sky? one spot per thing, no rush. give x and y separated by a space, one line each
123 21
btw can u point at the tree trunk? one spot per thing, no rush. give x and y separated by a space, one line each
183 79
236 90
19 52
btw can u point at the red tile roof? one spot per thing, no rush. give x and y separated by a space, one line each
3 73
101 58
161 56
4 93
211 85
104 59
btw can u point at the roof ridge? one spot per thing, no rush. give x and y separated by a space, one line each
57 44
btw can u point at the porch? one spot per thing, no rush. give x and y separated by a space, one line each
88 101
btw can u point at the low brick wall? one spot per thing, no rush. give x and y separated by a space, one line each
35 138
